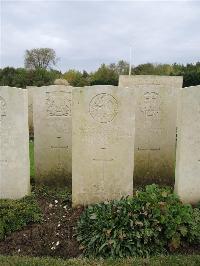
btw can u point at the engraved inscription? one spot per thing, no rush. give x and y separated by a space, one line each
30 107
3 163
103 162
3 111
151 141
58 103
151 104
59 147
148 149
2 107
103 108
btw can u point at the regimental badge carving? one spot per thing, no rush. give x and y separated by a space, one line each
103 108
58 103
151 104
2 107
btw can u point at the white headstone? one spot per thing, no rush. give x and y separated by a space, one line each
14 143
52 134
187 183
103 144
155 132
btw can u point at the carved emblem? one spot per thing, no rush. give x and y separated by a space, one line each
2 107
58 103
103 108
151 104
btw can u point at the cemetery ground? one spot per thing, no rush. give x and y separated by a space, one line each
53 236
174 260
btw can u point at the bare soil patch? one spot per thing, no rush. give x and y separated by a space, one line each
53 237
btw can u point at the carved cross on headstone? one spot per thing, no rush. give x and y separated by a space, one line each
59 147
104 163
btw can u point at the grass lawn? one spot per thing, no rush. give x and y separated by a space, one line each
191 260
31 152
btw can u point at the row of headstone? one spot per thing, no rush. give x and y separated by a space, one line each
105 121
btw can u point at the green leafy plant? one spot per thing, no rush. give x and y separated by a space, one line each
194 227
15 214
151 222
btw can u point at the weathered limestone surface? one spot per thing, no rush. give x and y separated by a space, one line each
187 183
52 134
61 82
103 143
14 143
155 133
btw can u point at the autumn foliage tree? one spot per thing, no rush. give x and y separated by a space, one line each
43 58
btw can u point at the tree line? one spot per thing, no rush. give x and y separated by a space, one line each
39 64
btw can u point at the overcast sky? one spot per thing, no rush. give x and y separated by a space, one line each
85 34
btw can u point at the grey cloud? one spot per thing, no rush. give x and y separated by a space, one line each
86 34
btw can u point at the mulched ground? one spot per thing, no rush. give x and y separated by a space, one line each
53 237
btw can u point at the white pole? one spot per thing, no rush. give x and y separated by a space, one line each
130 59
